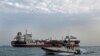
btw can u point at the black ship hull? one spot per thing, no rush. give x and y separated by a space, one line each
24 44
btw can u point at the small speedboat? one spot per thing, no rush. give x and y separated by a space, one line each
70 46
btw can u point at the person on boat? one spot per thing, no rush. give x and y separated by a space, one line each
72 44
68 43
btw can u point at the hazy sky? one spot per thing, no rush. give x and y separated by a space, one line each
51 18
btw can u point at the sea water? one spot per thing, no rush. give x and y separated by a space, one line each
13 51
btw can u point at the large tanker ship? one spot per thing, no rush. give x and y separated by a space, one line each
25 40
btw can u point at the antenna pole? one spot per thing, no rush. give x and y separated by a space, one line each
26 31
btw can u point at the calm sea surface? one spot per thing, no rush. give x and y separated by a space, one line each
11 51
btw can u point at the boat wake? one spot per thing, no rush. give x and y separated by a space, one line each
83 51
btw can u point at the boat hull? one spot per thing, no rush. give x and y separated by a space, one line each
56 50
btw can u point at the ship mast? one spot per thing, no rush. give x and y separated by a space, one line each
26 31
25 35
